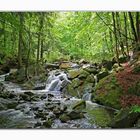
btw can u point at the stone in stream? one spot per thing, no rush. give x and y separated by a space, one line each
29 93
15 119
6 94
76 82
39 87
75 115
8 103
64 118
90 78
73 73
79 106
83 74
57 111
25 97
65 65
48 123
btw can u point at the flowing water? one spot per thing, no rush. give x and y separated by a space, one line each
24 114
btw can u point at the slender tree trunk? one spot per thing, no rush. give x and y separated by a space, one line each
21 19
38 52
41 51
4 35
125 27
41 32
115 35
138 26
111 40
119 33
28 57
28 53
132 26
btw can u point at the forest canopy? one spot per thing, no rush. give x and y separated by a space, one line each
49 36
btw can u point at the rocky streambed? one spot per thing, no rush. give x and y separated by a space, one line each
63 103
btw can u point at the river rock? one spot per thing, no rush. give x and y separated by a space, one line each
125 119
71 91
64 118
8 103
29 93
48 123
39 87
76 82
92 70
90 78
57 111
15 119
2 107
65 65
83 74
108 92
102 74
79 106
75 115
25 97
107 64
73 73
82 61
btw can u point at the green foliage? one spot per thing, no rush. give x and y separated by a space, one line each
135 109
72 35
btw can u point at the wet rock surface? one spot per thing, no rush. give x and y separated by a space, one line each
61 103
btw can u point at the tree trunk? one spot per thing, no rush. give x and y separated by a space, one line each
132 26
119 33
38 52
21 19
115 35
138 26
4 35
41 32
125 27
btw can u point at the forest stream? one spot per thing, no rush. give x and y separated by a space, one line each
46 108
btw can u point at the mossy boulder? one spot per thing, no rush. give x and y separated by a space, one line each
80 73
64 118
83 74
79 106
75 115
73 73
76 82
90 78
108 92
92 70
102 74
70 91
100 116
125 118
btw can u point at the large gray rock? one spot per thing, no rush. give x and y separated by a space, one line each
125 119
102 74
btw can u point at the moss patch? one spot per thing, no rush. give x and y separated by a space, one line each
100 117
108 92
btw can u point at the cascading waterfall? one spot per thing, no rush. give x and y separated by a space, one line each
56 81
87 96
96 80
